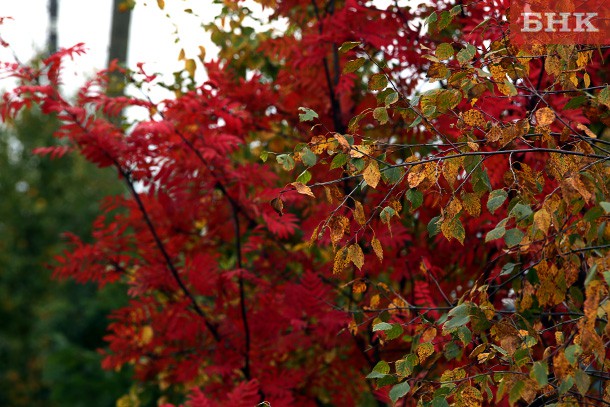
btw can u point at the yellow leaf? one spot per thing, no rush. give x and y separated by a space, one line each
542 220
190 66
415 178
343 142
314 236
161 4
340 261
494 134
359 213
474 118
374 303
472 203
147 335
587 80
181 55
545 116
587 131
303 189
377 248
355 255
424 350
372 175
359 151
338 227
359 287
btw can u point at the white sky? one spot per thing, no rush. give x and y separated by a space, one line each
152 34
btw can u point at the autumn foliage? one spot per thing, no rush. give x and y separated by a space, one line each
375 206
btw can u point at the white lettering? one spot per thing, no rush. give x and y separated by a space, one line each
529 19
551 22
580 23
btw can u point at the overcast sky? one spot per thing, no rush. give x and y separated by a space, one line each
152 37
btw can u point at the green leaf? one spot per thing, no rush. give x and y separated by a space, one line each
395 332
392 175
391 98
348 45
575 102
540 373
456 10
381 115
439 402
304 177
353 65
307 115
494 234
308 157
286 161
264 156
513 237
338 161
572 353
415 197
521 211
405 367
566 385
378 81
583 381
496 199
460 316
508 269
434 226
515 392
444 51
604 96
386 214
398 391
466 54
382 326
382 367
605 206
